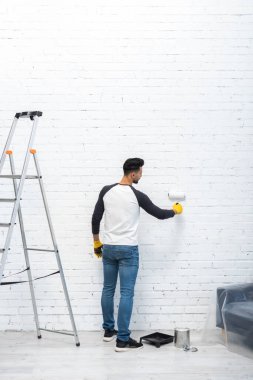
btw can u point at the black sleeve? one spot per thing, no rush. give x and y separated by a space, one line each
150 207
99 210
98 213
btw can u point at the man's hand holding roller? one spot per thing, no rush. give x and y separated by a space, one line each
177 208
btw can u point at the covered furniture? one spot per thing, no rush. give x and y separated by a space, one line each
234 314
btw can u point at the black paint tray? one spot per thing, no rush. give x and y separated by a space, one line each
157 339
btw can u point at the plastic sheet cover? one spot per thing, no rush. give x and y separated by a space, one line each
234 315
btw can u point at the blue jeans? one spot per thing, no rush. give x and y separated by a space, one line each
122 259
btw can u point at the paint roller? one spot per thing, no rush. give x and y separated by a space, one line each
177 196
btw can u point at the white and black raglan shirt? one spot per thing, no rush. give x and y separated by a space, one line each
120 205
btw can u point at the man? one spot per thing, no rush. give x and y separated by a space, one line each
121 204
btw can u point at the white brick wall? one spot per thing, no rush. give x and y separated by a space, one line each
169 81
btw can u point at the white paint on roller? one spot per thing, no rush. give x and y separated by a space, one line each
176 195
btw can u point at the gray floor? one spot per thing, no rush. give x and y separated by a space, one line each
24 357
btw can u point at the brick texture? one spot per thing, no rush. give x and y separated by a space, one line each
170 82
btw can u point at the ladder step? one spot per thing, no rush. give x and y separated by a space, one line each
18 176
7 200
5 224
38 249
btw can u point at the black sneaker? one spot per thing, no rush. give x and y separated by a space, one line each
109 335
126 346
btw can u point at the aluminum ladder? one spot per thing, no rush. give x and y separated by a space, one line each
18 188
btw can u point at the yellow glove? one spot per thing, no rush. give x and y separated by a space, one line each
98 248
177 208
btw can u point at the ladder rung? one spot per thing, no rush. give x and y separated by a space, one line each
7 200
18 176
5 224
37 249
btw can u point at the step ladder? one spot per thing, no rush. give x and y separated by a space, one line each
18 188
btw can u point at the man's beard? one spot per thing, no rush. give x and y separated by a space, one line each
135 181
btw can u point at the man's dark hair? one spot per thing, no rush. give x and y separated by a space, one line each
132 165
